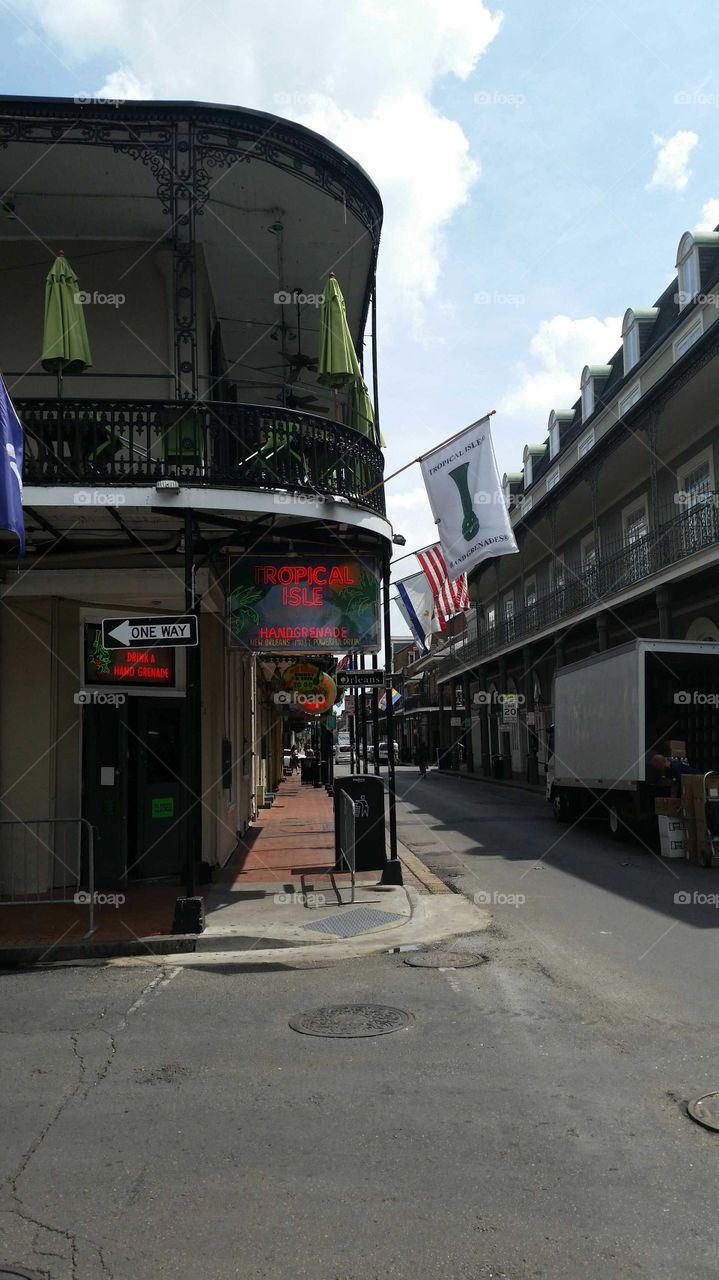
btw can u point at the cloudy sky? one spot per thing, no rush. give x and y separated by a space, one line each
538 165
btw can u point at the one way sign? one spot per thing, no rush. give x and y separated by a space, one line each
130 633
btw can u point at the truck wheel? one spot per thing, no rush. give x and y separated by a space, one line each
617 828
560 807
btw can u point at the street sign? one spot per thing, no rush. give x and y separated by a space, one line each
353 678
510 710
171 633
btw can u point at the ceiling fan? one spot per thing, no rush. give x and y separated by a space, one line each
299 360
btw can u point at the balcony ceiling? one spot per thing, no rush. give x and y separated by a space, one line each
67 190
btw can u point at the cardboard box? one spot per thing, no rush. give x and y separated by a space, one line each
675 747
672 837
668 806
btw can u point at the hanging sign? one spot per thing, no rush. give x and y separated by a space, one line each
304 604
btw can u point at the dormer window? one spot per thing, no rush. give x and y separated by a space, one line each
553 439
531 452
587 399
687 270
637 328
630 343
593 377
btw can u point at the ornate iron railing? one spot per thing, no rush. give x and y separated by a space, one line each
208 443
682 532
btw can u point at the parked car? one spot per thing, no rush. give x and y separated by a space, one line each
383 755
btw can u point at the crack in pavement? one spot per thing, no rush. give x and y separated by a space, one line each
80 1090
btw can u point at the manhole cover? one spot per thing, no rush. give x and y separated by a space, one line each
445 960
706 1110
350 1021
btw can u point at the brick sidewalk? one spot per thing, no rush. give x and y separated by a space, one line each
297 832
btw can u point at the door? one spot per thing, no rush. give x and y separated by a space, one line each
105 789
156 769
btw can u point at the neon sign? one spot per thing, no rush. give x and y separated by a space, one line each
140 667
305 604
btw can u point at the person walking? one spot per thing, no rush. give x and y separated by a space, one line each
422 758
294 759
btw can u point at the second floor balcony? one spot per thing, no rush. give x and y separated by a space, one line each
676 534
206 443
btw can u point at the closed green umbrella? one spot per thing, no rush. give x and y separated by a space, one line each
65 348
361 411
337 363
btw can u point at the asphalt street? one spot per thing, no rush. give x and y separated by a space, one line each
529 1122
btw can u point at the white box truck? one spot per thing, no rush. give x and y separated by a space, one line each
617 709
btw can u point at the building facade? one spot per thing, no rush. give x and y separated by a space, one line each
201 237
615 515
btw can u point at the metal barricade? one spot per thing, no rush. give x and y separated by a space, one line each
48 860
347 836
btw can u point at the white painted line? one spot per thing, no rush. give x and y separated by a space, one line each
161 980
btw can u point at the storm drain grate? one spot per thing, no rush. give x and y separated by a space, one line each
359 920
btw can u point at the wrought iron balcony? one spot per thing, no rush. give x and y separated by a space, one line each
681 533
207 443
416 700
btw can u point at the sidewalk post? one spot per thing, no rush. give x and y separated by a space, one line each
392 873
375 718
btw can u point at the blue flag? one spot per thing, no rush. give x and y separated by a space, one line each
11 459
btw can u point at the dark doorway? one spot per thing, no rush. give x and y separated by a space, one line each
132 763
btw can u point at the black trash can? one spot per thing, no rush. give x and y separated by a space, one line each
498 767
367 791
306 770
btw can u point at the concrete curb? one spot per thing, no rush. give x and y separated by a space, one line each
20 956
535 789
435 918
427 878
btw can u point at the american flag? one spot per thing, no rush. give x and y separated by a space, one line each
449 597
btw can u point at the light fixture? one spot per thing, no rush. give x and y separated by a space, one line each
399 540
168 486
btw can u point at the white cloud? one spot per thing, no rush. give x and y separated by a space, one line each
559 351
671 170
123 86
365 78
709 215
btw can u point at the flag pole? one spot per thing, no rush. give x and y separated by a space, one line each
420 457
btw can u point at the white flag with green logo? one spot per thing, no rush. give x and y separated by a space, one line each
465 494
